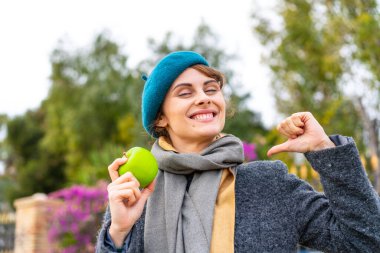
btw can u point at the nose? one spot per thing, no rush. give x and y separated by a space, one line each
202 98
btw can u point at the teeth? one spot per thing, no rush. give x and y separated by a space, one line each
203 116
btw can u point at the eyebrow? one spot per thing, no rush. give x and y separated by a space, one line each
189 84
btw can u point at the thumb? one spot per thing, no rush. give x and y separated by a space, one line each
283 147
146 192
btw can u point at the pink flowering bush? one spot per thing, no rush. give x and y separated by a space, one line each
249 151
75 224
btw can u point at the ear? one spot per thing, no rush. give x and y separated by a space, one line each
162 121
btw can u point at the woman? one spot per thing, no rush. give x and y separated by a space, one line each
205 199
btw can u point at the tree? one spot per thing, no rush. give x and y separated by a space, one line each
86 121
361 21
92 110
324 57
30 166
92 114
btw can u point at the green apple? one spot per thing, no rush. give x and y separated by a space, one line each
142 164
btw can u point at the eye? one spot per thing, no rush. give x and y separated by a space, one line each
212 87
211 91
184 93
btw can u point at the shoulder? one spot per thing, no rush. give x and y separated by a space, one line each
260 176
266 176
262 169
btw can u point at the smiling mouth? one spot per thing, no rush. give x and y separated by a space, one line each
203 116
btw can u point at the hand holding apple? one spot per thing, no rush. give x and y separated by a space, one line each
126 201
142 164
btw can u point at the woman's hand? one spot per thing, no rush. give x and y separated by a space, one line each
304 134
126 201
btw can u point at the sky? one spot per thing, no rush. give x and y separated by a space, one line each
31 30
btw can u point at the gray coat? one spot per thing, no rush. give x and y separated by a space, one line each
275 210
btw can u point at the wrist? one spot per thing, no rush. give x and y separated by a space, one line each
117 235
324 144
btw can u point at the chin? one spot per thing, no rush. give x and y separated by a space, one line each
211 133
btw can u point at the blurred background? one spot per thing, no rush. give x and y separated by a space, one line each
70 89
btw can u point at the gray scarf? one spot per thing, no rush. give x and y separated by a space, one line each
177 220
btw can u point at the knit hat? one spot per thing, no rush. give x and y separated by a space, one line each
160 80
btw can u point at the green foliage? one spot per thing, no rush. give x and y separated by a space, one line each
92 114
325 58
24 132
242 121
92 94
308 66
5 184
76 132
38 169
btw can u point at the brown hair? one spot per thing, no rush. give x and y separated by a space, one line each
207 71
210 72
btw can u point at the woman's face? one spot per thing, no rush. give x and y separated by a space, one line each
194 107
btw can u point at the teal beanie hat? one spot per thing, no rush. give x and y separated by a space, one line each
160 80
